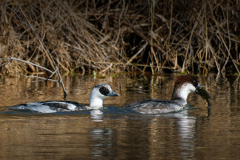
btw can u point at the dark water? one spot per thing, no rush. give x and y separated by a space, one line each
196 133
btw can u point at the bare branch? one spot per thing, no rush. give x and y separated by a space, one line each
56 68
46 79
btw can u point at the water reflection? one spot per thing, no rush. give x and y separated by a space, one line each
187 133
96 115
115 134
146 135
103 143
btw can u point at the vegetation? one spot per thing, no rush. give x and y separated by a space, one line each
116 36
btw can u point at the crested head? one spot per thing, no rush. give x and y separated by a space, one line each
180 80
184 84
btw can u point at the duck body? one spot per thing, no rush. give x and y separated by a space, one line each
98 93
51 106
155 106
184 85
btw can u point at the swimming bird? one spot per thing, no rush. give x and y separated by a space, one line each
184 84
98 93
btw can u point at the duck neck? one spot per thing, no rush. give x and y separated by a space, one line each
95 102
180 94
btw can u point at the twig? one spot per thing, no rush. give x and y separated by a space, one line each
47 79
56 68
5 62
119 22
225 45
102 71
140 50
189 43
229 43
12 58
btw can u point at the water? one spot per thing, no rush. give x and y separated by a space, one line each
196 133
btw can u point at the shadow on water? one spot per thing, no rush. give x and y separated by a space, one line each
113 133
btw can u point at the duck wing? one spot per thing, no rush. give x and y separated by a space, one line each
154 106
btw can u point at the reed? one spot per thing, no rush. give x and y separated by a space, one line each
115 36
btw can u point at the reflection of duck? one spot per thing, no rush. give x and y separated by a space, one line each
184 84
98 93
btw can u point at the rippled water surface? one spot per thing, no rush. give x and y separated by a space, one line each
196 133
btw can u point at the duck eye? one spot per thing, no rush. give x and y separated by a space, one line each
104 90
195 83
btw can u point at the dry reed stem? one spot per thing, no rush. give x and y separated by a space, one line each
90 35
48 53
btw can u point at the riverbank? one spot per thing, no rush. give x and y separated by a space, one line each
115 36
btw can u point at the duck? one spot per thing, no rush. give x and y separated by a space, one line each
98 93
184 85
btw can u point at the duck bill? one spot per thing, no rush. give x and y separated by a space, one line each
204 94
199 86
112 94
199 89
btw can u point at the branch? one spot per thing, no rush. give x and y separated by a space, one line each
12 58
47 79
56 68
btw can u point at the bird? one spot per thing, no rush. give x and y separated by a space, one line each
98 93
184 84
